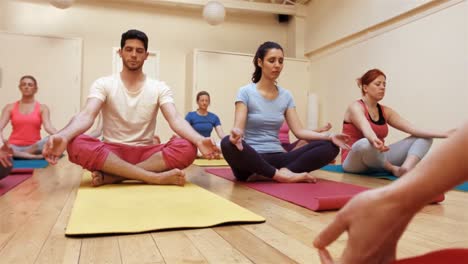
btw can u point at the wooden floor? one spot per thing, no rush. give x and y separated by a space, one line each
34 216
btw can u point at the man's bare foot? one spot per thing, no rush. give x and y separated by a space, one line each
171 177
99 178
286 176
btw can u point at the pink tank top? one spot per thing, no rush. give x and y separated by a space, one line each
283 134
379 127
26 128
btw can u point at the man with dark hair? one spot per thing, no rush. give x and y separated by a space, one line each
129 103
134 34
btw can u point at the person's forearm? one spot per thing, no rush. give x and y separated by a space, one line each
78 125
183 129
50 129
220 132
427 133
306 134
440 171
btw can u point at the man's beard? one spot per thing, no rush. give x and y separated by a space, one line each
130 68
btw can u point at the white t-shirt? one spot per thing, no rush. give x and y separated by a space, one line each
130 117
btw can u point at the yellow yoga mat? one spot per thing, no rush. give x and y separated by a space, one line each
210 163
134 207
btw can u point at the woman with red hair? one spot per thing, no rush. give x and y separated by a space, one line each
366 122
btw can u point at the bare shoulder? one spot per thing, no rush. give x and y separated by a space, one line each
44 107
8 107
354 108
388 111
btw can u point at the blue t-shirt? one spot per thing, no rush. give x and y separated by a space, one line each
203 124
264 117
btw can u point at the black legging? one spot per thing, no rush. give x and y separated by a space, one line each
312 156
4 171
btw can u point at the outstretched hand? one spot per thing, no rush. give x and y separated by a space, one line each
236 138
340 140
374 223
208 148
449 132
54 148
6 154
325 128
379 145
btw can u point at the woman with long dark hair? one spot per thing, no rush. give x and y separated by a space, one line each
253 147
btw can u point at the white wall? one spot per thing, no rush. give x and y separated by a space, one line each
56 65
174 32
222 74
330 20
425 62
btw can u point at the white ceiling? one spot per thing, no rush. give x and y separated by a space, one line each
286 7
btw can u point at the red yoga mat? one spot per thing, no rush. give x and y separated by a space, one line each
320 196
11 181
22 171
451 255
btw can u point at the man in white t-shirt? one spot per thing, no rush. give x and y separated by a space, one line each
129 103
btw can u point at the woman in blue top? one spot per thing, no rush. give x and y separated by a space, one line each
203 121
253 146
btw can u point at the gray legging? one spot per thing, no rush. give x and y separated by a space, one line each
40 146
363 157
4 171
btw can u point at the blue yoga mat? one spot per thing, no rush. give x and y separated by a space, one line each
29 164
381 175
462 187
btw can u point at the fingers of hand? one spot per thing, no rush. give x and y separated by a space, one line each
239 145
5 162
325 256
330 233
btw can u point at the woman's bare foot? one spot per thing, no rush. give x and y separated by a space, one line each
258 178
171 177
99 178
37 156
401 171
34 149
395 170
286 176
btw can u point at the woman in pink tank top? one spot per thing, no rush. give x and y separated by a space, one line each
366 122
27 116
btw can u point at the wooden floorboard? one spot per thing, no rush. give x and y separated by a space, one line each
34 216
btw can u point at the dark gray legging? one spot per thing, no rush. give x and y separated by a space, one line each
4 171
312 156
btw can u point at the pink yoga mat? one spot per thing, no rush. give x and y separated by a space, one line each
320 196
11 181
452 256
323 195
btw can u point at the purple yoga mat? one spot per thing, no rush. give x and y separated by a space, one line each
11 181
320 196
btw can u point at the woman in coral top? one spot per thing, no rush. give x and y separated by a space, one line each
26 116
366 122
